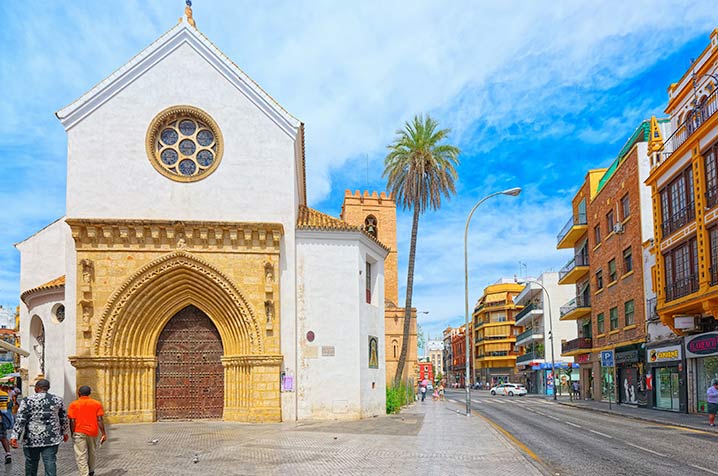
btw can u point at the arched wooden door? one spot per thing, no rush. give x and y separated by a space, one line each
190 376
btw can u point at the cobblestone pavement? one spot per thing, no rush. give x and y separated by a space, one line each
428 438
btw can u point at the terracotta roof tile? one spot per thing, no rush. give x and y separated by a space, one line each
55 283
310 219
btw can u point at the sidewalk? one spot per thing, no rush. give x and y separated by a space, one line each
686 420
429 438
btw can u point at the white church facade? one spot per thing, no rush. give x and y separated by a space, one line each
188 278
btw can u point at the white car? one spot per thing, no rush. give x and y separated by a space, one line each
509 389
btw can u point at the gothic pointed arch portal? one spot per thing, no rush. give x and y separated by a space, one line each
123 364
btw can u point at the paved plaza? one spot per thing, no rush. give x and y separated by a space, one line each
428 438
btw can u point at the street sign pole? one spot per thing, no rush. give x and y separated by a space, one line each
607 360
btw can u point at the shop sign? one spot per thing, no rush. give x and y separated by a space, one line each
583 358
702 345
663 354
626 357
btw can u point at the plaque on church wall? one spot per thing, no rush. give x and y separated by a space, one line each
327 351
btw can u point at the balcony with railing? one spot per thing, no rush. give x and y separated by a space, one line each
529 356
582 345
572 231
682 287
576 308
678 220
530 335
574 270
699 115
527 314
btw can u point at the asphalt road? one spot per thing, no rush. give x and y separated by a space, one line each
577 442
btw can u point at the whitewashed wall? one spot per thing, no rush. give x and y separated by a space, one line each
332 304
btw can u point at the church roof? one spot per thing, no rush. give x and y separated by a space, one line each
184 33
311 219
56 283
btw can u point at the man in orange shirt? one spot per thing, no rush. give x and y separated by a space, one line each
85 416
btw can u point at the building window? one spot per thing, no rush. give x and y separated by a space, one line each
625 207
610 221
614 318
370 225
612 274
184 143
599 279
711 156
597 233
681 265
368 282
627 260
628 309
713 237
677 203
599 324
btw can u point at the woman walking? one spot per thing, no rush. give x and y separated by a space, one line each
712 399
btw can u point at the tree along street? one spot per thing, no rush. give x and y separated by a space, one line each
574 441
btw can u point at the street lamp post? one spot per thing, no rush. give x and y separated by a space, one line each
550 331
468 333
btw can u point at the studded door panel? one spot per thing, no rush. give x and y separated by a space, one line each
190 376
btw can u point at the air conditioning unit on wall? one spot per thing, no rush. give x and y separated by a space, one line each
618 228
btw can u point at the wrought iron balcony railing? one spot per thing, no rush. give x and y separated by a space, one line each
695 119
529 332
580 259
575 303
576 344
678 220
681 287
579 219
531 307
529 356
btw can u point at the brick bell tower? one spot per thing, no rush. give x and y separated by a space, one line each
376 213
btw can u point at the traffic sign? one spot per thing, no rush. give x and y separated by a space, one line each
607 358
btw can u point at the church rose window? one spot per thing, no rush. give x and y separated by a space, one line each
184 143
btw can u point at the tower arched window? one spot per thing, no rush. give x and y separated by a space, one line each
370 225
395 345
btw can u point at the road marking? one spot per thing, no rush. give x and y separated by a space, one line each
553 417
573 424
602 434
540 413
689 430
647 450
512 438
703 469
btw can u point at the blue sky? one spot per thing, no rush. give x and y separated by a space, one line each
534 97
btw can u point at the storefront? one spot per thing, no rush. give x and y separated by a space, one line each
702 356
627 370
666 378
586 375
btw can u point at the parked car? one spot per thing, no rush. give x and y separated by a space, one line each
509 389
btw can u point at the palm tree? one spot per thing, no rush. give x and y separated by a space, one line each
419 171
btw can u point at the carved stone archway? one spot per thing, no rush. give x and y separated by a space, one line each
123 363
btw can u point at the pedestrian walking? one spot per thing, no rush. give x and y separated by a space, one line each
576 389
712 399
41 424
422 391
7 421
441 391
85 416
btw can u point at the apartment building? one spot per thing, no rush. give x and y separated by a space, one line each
610 307
495 331
539 354
684 184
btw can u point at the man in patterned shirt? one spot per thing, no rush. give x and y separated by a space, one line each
42 425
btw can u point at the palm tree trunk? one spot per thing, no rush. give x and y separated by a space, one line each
409 293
